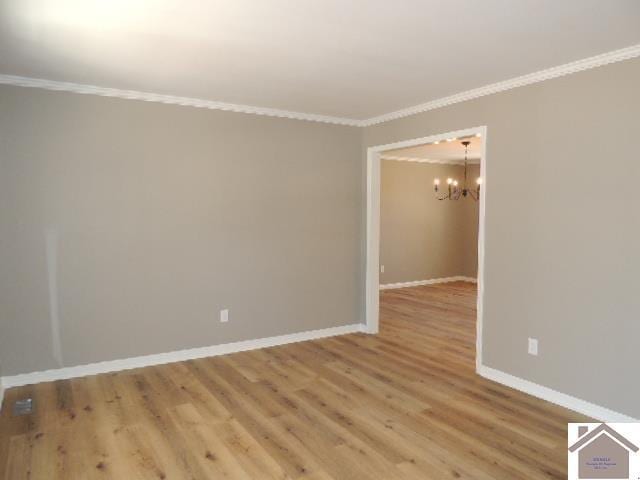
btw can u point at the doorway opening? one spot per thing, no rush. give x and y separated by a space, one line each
425 232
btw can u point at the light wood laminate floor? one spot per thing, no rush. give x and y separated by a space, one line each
405 404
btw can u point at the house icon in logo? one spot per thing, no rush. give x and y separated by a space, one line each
603 453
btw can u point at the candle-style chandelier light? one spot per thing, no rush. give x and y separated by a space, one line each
454 191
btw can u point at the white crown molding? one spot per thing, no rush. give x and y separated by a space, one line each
540 76
567 401
431 281
176 356
169 99
429 160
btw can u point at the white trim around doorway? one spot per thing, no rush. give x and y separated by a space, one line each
373 226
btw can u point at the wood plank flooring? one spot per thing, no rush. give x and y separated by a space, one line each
405 404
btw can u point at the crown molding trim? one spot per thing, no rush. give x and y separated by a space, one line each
539 76
169 99
471 161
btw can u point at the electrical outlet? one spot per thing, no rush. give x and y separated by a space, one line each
224 315
381 268
533 346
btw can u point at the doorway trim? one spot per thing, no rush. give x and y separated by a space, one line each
372 283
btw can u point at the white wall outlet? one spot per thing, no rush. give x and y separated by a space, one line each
381 268
533 346
224 315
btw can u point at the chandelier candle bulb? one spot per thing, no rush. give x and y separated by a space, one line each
436 184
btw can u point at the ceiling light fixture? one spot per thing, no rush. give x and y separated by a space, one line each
454 192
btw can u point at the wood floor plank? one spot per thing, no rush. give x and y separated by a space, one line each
255 460
405 404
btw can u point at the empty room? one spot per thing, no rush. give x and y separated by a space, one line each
319 240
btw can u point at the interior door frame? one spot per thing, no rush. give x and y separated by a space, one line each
373 226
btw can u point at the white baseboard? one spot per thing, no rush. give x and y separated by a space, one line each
567 401
176 356
1 393
431 281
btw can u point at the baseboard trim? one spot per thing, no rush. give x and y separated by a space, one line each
176 356
431 281
1 393
567 401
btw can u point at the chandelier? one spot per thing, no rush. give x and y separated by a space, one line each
454 192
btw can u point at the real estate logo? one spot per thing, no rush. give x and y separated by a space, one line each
599 450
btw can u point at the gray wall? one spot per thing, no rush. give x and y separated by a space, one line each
142 220
422 238
157 216
562 228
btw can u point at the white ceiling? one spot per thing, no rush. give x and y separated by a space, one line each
346 58
442 152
